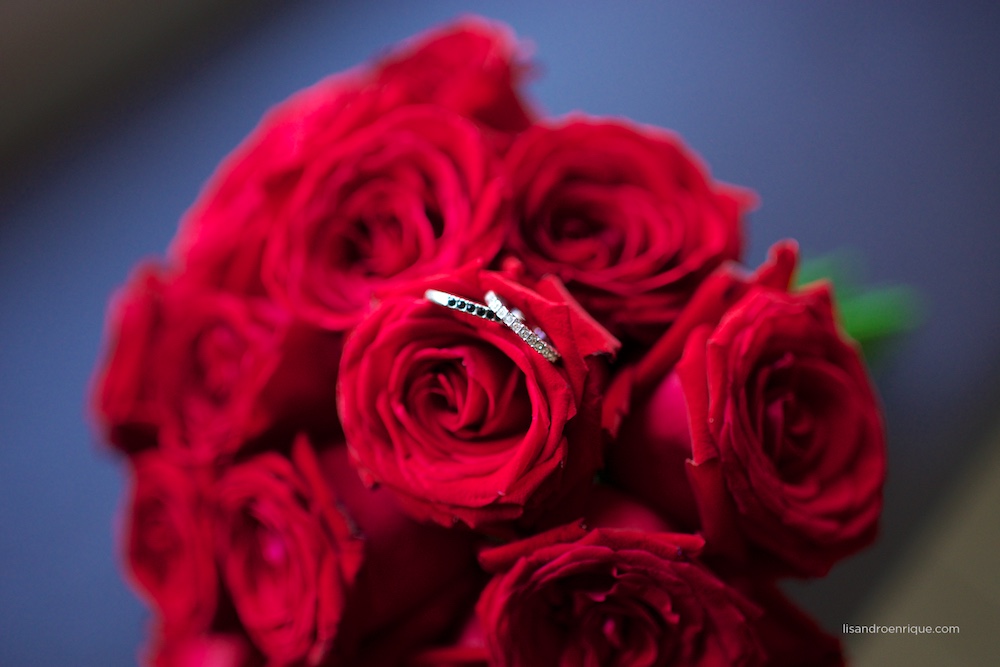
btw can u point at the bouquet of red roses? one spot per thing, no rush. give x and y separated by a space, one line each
429 379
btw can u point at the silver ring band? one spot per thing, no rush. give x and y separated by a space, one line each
534 338
459 303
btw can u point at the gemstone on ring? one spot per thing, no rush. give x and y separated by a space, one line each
458 303
536 339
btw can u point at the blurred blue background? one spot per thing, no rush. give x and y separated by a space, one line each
861 126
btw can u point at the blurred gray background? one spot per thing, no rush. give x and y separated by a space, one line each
861 126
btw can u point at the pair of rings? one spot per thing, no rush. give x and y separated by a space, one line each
497 310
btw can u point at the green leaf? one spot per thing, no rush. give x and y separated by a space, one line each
869 315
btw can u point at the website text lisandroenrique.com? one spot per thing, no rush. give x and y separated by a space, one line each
879 629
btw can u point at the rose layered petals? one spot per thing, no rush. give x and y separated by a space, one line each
459 417
616 597
188 367
124 398
287 554
795 426
470 68
168 546
624 215
222 237
775 416
413 194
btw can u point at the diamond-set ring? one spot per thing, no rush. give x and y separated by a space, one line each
495 309
535 338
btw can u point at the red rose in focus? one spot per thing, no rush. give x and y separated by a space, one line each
613 597
461 418
413 194
624 215
286 553
168 547
775 415
186 367
473 67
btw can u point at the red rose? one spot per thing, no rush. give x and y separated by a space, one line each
221 239
612 597
624 215
789 636
775 416
168 546
413 194
187 367
471 66
286 553
432 176
461 418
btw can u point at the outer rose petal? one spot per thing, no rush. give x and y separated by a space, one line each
168 546
124 398
472 66
187 368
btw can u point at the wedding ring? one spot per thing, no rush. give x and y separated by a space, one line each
460 303
535 338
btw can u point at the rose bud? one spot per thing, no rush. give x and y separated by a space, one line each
413 194
168 547
287 554
471 66
186 367
460 417
612 597
767 437
625 215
